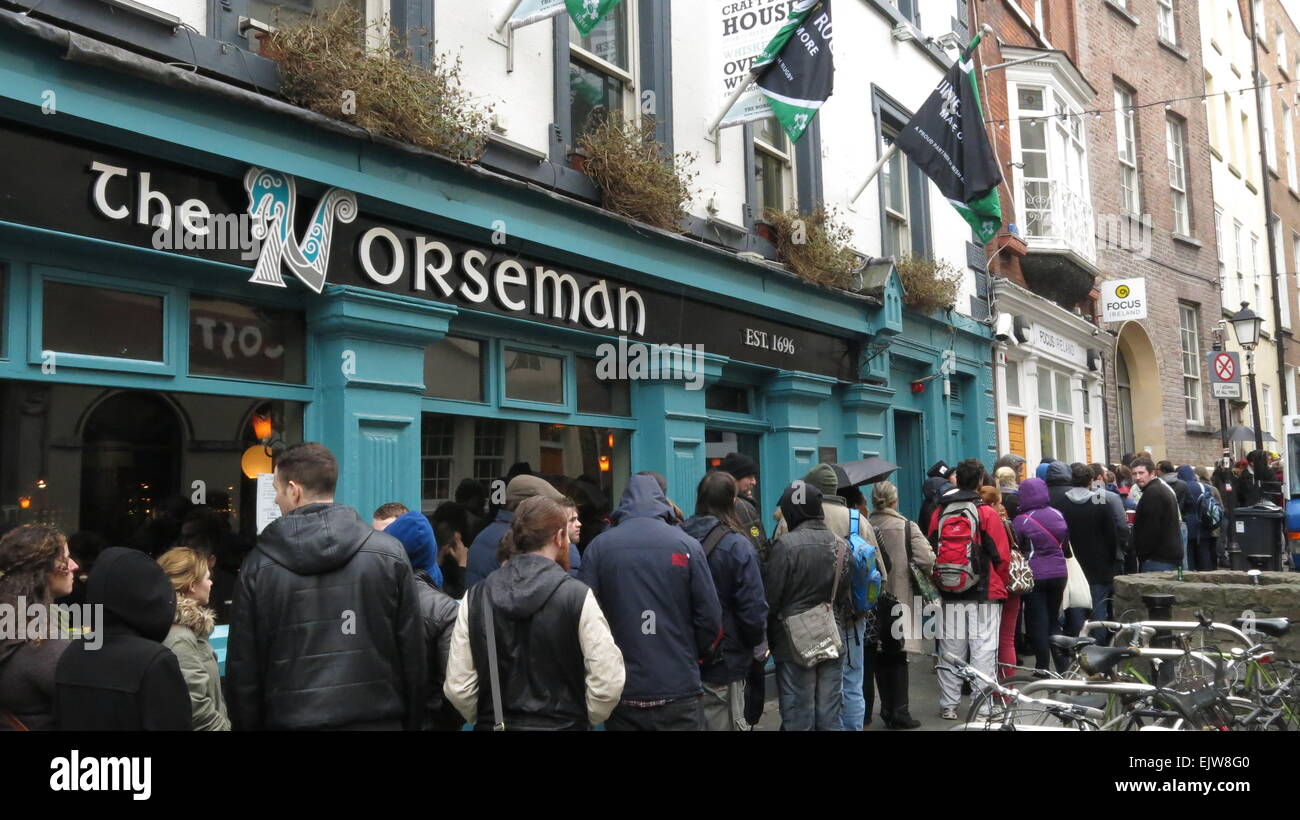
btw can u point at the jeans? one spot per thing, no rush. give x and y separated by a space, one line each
1101 595
1182 528
978 624
724 707
681 715
1041 620
1158 566
853 711
810 699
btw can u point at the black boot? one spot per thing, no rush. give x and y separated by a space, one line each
891 678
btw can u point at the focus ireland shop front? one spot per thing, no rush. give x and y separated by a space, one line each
433 324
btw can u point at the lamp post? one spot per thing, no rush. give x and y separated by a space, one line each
1247 325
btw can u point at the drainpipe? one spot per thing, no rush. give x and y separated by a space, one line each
1268 211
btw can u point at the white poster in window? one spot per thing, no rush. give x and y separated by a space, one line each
266 509
744 29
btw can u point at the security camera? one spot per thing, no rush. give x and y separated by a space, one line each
1004 329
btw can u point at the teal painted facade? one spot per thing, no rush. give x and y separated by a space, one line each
364 391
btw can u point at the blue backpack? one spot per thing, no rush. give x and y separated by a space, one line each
863 570
1210 509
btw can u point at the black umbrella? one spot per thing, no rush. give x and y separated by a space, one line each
1243 433
866 471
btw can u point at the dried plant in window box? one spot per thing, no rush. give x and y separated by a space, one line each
929 286
327 65
635 179
817 247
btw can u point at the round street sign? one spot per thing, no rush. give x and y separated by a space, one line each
1224 367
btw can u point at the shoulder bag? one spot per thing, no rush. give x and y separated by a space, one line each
814 635
1021 576
922 586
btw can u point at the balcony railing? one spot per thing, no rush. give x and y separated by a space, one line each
1057 218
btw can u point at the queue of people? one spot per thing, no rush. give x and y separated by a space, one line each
656 621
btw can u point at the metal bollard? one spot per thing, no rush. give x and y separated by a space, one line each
1160 607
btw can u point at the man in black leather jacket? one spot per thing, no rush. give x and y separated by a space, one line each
327 630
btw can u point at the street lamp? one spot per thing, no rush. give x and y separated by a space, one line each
1247 325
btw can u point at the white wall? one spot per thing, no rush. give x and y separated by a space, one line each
193 12
866 54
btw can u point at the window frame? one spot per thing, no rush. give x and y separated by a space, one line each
1126 142
1192 381
1288 145
486 363
1053 414
173 301
568 52
1176 154
1218 250
1254 275
569 400
785 158
1270 142
890 116
1167 21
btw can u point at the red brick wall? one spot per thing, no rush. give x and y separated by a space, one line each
1112 48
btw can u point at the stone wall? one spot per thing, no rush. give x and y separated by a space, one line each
1221 595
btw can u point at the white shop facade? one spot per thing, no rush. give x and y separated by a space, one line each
1048 381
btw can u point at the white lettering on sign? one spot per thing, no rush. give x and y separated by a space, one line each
766 340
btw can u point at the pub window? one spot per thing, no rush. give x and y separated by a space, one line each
1167 21
102 322
727 399
904 189
1055 415
601 78
489 450
453 369
773 166
437 436
604 397
241 341
1177 151
534 377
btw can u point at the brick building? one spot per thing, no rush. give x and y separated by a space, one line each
1044 264
1152 191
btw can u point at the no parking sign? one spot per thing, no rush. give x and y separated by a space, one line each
1225 374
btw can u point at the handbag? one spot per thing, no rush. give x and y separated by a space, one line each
922 586
1020 575
1078 595
814 634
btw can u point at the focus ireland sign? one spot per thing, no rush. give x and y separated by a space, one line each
1123 300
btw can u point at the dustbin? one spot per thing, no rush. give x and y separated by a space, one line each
1256 533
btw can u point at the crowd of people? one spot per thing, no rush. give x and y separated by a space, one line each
538 616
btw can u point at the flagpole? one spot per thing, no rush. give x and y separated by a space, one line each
505 18
741 88
893 149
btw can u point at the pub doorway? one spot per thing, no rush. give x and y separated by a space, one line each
130 464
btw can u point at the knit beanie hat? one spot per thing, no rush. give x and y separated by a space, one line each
740 466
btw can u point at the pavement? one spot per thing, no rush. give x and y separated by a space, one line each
923 701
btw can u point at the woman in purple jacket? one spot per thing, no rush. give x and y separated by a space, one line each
1043 537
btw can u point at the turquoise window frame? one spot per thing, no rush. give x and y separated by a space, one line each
171 302
566 407
309 374
486 365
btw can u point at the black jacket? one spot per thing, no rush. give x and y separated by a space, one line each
751 525
800 574
1059 483
646 564
439 613
131 682
738 580
1092 533
1156 534
537 608
327 630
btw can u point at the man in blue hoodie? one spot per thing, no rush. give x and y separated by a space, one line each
483 552
653 583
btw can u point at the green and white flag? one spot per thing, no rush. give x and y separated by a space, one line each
586 14
796 72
